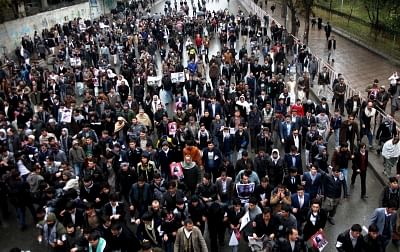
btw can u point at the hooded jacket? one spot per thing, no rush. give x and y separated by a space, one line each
275 168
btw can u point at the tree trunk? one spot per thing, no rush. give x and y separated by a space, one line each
44 4
293 21
308 5
284 8
377 15
330 9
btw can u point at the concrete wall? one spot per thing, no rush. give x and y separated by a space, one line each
12 31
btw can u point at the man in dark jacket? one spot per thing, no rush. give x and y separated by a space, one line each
386 131
255 121
373 242
332 188
285 245
275 168
360 164
212 158
139 197
350 240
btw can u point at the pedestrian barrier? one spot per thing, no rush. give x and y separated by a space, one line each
253 8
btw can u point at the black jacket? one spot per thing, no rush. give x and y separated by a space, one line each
345 243
332 188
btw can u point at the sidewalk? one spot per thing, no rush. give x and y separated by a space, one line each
359 66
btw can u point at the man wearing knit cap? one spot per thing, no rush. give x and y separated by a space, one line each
52 233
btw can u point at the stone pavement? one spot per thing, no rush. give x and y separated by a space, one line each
358 65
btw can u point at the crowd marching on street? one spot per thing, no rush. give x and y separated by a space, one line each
127 133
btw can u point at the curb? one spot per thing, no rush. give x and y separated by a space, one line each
357 41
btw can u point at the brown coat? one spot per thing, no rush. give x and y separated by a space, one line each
214 72
355 132
198 242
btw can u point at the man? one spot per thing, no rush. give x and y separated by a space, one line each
331 48
373 242
206 190
328 30
291 243
224 186
350 240
295 139
365 120
244 188
339 92
293 159
189 239
285 129
386 131
391 192
275 168
139 198
385 218
332 190
322 121
340 160
261 163
254 123
394 91
390 153
349 132
122 239
264 141
323 80
52 232
360 164
211 159
300 205
335 124
312 181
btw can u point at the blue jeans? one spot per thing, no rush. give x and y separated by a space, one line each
78 169
336 132
21 215
345 175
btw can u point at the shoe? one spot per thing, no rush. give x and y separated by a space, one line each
364 196
331 220
352 185
371 147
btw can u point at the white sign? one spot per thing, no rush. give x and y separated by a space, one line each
178 77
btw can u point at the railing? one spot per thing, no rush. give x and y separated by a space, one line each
253 8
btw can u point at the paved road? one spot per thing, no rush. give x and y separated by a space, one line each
353 210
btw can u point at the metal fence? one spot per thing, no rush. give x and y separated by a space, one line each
251 7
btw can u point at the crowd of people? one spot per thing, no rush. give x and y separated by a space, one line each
108 156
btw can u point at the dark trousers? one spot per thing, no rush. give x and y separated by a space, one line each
363 176
217 232
339 104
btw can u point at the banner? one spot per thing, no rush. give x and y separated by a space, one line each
318 241
66 116
178 77
153 81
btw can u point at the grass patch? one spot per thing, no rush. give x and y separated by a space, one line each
381 41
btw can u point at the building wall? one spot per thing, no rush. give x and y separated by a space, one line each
12 31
